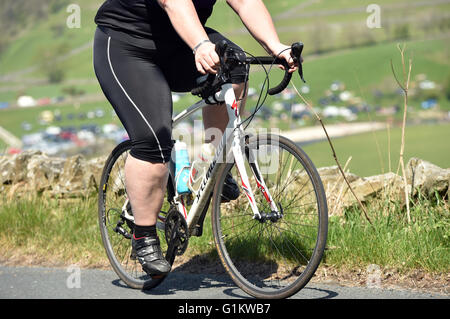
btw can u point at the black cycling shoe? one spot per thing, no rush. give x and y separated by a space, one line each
230 190
148 251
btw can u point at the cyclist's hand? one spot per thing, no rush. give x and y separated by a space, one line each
285 54
206 58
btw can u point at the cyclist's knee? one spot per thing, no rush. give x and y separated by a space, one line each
239 87
240 94
151 152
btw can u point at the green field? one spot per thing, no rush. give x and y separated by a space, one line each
362 70
12 119
370 152
366 69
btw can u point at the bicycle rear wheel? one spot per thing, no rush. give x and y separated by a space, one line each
117 225
273 257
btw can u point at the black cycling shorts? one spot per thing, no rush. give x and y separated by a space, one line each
138 82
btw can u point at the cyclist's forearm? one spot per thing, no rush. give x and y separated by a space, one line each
258 21
184 18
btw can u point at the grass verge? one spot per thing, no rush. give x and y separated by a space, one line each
50 232
63 232
391 241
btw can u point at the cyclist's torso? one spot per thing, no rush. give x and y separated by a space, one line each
144 19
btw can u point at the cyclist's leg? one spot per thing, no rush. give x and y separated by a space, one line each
215 120
217 117
178 65
145 183
125 73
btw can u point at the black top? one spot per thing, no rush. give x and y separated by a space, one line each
144 21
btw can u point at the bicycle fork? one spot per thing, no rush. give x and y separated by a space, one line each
238 144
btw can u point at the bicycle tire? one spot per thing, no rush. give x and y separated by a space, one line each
117 246
239 238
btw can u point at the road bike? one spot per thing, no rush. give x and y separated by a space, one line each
271 239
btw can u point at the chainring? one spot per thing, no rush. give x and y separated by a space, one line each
181 239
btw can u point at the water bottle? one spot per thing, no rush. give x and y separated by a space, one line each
200 166
182 167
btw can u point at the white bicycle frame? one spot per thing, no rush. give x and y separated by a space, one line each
233 135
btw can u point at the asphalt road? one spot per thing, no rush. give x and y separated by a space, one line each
67 283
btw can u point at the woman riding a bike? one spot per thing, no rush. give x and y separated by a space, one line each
144 50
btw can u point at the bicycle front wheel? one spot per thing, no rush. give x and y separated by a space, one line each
275 256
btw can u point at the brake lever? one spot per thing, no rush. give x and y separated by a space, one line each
296 53
221 48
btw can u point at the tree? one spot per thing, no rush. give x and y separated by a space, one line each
51 64
402 31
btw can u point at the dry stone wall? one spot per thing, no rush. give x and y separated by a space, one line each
32 173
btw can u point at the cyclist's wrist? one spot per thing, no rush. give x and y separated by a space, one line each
275 48
199 44
269 46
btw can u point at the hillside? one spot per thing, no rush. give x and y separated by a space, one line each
342 56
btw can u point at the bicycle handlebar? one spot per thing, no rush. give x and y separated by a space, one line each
229 58
296 52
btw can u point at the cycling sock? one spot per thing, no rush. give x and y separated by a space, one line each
144 231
